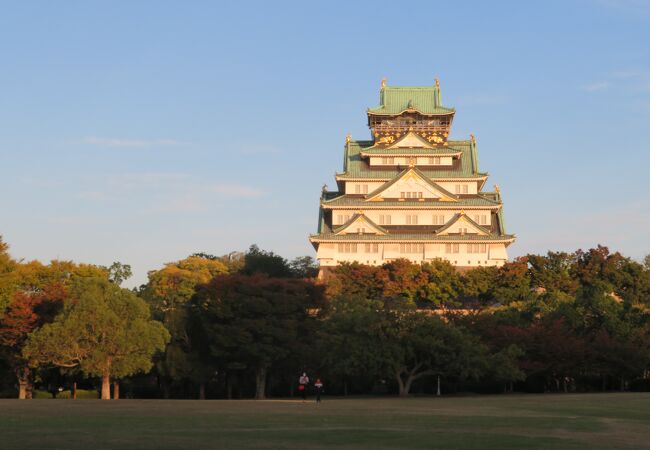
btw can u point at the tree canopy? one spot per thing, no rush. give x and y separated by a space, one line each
104 330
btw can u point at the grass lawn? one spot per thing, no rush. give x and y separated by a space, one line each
502 422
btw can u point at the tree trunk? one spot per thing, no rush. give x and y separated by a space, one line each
23 383
438 388
202 391
74 390
116 390
404 386
260 383
106 385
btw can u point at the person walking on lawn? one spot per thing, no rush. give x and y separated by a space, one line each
319 389
303 382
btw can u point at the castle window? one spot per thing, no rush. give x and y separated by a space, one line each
457 187
411 248
347 247
434 161
476 248
357 189
384 219
438 219
452 248
372 248
365 189
465 189
411 219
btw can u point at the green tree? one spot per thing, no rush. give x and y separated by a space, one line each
118 273
479 283
552 272
257 260
304 267
168 292
8 280
256 320
417 345
347 339
104 330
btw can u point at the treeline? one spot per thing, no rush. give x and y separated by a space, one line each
247 324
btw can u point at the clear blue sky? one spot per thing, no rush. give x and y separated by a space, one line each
145 131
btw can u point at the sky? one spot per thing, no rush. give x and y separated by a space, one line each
145 131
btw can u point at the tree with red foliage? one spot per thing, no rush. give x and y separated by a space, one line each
27 312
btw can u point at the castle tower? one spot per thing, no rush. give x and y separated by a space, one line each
410 192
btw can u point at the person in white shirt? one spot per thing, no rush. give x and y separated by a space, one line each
303 382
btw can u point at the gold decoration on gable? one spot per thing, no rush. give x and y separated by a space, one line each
386 138
436 138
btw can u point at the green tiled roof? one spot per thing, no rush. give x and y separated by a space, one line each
361 203
409 237
356 167
424 99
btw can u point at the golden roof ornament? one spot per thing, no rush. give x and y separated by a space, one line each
437 83
411 162
348 137
383 83
497 189
472 138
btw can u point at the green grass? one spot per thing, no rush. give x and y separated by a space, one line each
587 421
81 394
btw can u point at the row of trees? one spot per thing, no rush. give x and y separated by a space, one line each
247 324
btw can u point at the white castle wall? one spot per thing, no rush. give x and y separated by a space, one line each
399 216
489 255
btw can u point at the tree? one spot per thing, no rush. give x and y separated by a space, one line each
347 340
7 276
257 260
552 272
512 283
417 345
168 292
26 313
256 320
429 284
33 294
173 285
304 267
479 283
118 272
104 330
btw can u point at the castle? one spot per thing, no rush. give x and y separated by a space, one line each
411 192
